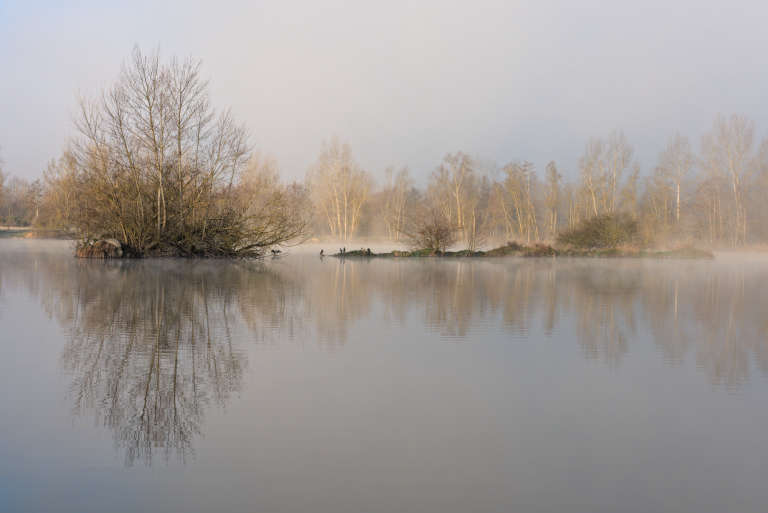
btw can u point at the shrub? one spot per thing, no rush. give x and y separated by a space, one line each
430 231
604 231
540 250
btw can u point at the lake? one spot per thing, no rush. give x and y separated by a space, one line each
419 385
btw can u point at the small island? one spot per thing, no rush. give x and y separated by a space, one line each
601 236
536 250
156 171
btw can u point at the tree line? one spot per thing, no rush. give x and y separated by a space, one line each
712 194
155 166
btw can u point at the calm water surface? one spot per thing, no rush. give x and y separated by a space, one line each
295 384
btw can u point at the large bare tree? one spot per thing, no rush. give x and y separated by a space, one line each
157 167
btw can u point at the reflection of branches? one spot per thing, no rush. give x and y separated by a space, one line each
147 354
153 344
713 311
605 303
719 315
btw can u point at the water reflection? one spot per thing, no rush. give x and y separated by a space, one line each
149 350
714 310
152 345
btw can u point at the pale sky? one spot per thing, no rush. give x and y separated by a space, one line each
402 82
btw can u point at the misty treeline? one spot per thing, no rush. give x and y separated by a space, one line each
713 193
155 166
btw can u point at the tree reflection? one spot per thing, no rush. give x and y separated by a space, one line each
712 311
153 345
151 348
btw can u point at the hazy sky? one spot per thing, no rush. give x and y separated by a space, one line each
402 82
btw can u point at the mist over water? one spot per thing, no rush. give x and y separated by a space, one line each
347 385
459 354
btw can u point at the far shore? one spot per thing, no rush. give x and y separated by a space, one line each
535 250
513 249
28 232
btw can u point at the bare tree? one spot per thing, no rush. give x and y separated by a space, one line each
281 214
618 160
20 201
448 187
755 193
339 189
396 195
727 155
463 199
675 163
515 198
602 168
58 200
157 167
477 213
428 229
553 197
628 194
260 177
592 178
657 204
